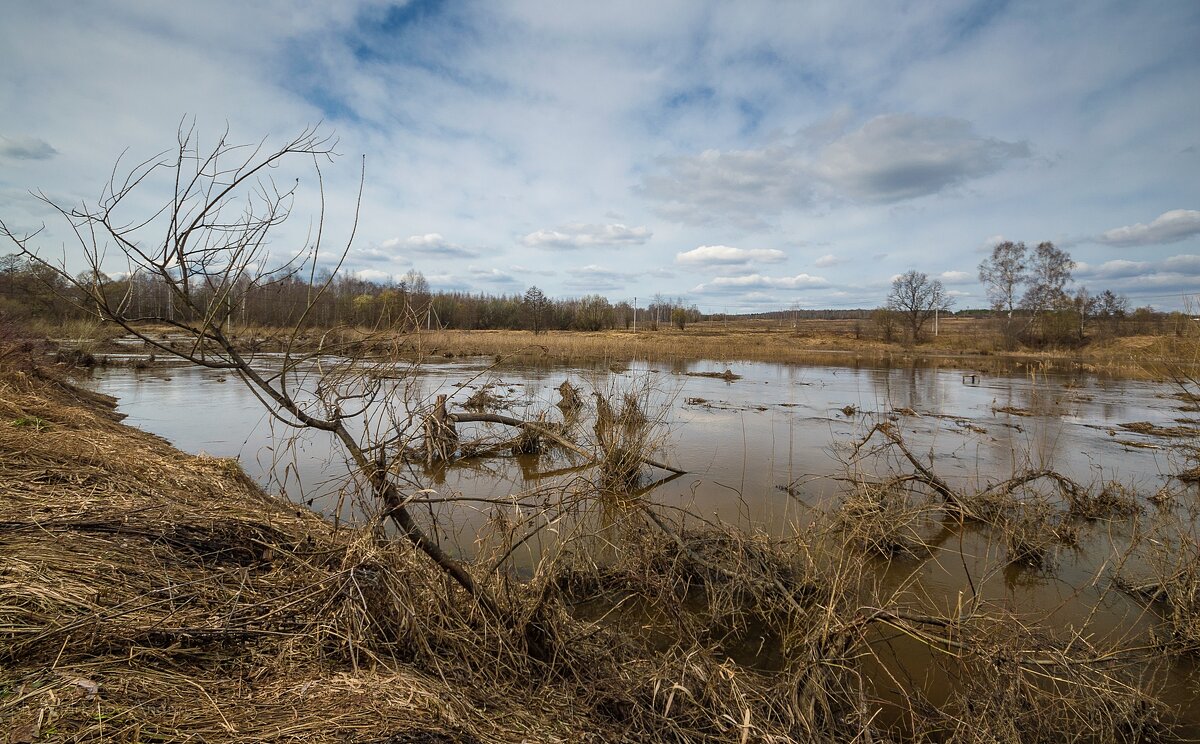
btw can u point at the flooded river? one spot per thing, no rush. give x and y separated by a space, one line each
764 448
740 440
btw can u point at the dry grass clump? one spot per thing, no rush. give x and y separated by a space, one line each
883 519
744 636
625 435
1167 578
997 699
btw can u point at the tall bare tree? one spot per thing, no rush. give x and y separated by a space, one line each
1002 275
916 298
208 244
1049 273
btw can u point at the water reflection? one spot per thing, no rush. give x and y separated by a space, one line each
760 451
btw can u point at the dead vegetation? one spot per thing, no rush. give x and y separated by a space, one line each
150 594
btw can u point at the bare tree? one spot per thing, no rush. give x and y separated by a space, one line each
916 298
535 307
1049 273
886 321
1002 274
208 244
1084 306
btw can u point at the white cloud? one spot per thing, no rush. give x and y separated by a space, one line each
1120 268
828 260
429 244
492 276
1168 227
1115 269
895 157
891 158
373 275
956 277
582 235
724 255
1186 264
760 281
523 270
26 148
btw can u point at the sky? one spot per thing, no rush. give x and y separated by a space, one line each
743 156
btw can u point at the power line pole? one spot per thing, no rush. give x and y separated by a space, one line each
635 314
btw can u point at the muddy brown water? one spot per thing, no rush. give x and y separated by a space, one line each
762 451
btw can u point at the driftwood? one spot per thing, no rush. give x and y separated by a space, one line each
441 439
542 431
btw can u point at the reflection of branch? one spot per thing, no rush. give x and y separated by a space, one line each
496 418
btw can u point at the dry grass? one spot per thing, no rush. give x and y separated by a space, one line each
150 595
967 342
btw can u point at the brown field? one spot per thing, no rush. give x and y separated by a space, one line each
968 342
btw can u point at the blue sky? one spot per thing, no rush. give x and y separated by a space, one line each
744 156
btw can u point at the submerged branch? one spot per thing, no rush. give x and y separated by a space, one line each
496 418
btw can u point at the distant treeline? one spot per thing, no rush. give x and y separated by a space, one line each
31 291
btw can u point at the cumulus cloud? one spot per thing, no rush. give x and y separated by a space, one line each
901 156
956 277
518 268
829 260
1183 265
492 276
26 148
724 255
891 158
1174 274
372 275
1119 268
429 244
760 282
583 235
1168 227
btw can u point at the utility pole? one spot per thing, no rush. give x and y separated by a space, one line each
635 315
935 321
